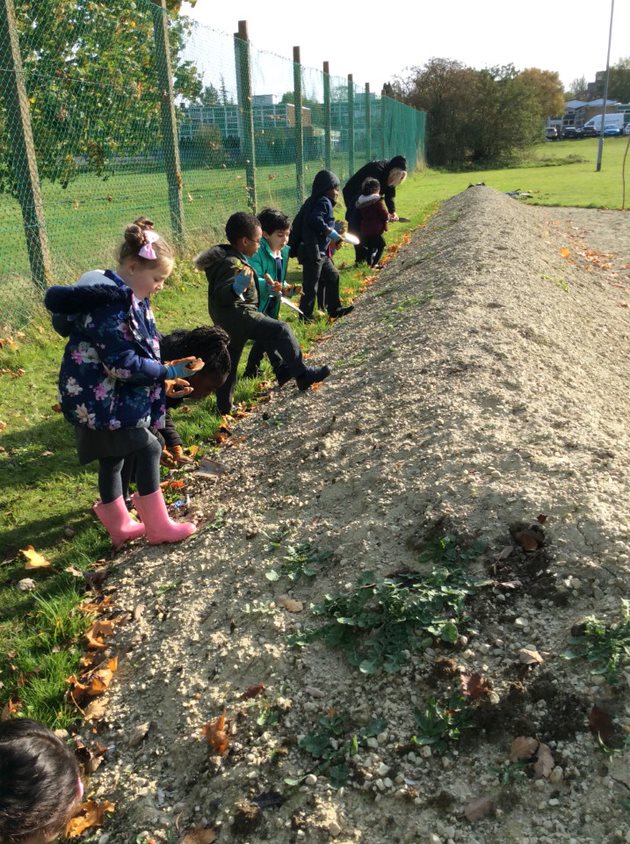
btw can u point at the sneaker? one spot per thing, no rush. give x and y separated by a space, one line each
312 375
341 312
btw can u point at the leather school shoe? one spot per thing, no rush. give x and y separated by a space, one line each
340 312
313 375
283 376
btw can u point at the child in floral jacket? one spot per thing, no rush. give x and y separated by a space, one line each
111 382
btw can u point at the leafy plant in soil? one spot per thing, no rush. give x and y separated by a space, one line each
383 620
332 745
607 646
441 724
300 560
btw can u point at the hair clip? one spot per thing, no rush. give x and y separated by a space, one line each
147 251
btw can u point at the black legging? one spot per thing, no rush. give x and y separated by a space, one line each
114 482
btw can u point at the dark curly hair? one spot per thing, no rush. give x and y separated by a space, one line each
39 781
241 224
210 343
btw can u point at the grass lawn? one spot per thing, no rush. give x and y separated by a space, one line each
45 497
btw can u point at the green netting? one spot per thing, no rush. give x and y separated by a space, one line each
94 85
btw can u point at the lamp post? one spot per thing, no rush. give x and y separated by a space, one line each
600 145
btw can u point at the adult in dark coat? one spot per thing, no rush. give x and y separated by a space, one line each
389 175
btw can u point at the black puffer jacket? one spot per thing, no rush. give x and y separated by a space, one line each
314 220
375 170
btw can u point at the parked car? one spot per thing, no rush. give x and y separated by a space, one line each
572 133
590 132
551 133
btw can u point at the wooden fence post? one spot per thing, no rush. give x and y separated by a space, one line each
24 162
245 104
170 141
299 129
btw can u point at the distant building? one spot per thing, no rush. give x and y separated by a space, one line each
226 118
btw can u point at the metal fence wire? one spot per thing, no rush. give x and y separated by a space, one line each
109 110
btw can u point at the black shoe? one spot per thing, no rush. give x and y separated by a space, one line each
341 312
312 375
283 376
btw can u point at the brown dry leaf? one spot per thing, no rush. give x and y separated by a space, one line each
3 425
523 747
528 540
289 604
192 450
530 657
34 560
95 635
198 835
565 252
478 809
56 407
474 686
89 758
601 724
89 815
95 711
216 734
10 708
253 691
221 437
544 764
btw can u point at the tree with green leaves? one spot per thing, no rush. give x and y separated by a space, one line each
619 81
91 79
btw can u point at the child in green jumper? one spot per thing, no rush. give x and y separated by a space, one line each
271 261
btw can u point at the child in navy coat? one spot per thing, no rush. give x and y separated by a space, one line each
111 382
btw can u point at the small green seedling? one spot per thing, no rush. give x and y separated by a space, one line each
301 560
441 724
607 646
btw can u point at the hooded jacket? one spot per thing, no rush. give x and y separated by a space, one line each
315 219
373 214
376 170
232 312
111 375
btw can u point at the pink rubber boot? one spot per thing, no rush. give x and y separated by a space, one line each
159 527
117 522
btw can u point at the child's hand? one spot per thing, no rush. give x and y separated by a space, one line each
334 236
393 217
177 388
276 287
183 366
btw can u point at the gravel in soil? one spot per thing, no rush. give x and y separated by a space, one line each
480 384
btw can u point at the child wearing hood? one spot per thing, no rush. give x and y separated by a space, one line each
233 303
313 231
373 216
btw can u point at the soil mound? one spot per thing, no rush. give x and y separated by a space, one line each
482 382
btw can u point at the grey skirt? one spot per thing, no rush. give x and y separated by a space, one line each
92 445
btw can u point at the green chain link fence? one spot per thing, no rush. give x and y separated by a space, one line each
100 122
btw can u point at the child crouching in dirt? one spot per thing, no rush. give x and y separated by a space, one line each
233 299
39 783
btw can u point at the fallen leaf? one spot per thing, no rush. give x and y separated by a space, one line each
216 735
601 724
34 560
474 686
138 611
529 540
10 708
544 763
198 835
27 584
89 758
289 604
3 425
530 657
565 252
95 711
523 747
95 635
505 552
478 809
75 572
89 815
253 691
541 518
138 734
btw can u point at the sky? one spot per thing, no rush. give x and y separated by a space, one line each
566 36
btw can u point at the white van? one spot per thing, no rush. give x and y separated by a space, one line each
594 125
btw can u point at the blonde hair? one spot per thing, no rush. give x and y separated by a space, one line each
135 238
396 177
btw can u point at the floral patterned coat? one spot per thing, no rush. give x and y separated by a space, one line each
111 375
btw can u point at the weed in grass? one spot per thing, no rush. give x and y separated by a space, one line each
394 313
382 621
301 560
607 646
510 772
441 724
333 744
